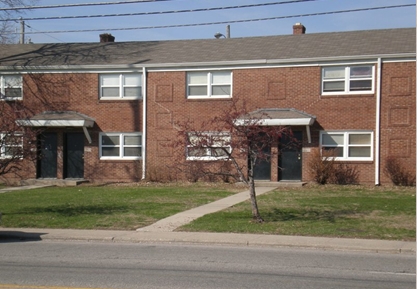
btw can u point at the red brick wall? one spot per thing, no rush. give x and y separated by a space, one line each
80 92
298 88
287 87
398 119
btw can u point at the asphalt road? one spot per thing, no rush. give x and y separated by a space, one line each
55 265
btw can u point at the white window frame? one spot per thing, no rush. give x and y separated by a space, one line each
347 79
121 85
345 146
4 145
121 146
209 156
209 84
3 87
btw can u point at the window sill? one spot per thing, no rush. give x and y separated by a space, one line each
345 95
119 99
120 159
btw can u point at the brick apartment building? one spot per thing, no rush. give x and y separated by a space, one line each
107 110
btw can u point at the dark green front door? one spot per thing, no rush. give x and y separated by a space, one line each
290 157
74 156
47 162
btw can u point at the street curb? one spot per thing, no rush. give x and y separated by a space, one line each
231 239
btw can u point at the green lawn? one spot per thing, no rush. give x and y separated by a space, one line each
105 207
333 211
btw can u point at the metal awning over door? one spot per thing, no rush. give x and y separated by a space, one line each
60 119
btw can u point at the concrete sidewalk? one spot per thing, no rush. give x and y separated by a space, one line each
163 232
252 240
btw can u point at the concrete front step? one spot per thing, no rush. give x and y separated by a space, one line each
286 184
53 182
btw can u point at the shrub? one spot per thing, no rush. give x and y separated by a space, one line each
397 173
343 174
321 166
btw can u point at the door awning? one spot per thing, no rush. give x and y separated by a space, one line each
60 119
278 117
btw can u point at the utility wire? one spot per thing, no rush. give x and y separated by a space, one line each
160 12
222 22
78 5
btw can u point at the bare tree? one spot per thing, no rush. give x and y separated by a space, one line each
236 139
16 142
7 26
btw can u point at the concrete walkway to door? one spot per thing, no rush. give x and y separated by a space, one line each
171 223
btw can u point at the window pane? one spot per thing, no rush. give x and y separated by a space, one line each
132 79
197 78
220 140
221 77
360 85
361 71
355 139
333 72
132 92
13 80
110 140
332 139
110 152
197 90
13 92
13 151
360 152
197 152
333 152
110 92
132 152
110 80
218 152
133 140
333 86
221 90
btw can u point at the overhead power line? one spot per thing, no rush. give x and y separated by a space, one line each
222 22
79 5
160 12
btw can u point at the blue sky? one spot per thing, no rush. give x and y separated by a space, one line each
377 19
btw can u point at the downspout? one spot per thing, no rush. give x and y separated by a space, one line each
144 119
378 123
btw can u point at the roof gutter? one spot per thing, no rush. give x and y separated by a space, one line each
315 60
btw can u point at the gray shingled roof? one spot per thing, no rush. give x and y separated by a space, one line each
316 45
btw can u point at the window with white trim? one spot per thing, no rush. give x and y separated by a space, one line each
121 86
212 84
208 145
11 86
121 146
348 145
11 145
358 79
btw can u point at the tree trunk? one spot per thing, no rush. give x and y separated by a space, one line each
255 211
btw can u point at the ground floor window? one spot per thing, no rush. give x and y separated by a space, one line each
11 145
208 145
121 146
348 145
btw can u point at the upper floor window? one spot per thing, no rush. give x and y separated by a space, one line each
348 145
348 79
11 145
11 86
121 146
213 84
208 145
121 86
